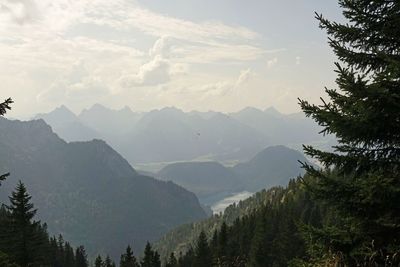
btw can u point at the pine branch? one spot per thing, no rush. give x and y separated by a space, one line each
5 106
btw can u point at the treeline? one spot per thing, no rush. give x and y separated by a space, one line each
180 239
270 236
25 242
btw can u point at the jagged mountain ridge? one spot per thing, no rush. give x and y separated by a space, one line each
169 134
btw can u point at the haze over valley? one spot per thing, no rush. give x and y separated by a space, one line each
199 133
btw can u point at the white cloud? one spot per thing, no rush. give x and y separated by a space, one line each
298 60
78 84
155 72
93 49
161 25
222 88
162 47
243 77
19 11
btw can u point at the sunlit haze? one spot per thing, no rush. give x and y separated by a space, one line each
193 55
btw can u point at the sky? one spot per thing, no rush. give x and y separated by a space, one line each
192 54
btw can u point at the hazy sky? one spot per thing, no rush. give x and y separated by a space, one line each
193 54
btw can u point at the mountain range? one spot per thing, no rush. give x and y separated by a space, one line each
171 135
88 192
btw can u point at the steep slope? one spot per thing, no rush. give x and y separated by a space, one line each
273 166
88 192
208 180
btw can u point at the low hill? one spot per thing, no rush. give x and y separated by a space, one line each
212 182
273 166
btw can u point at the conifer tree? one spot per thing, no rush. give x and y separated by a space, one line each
172 261
257 254
24 235
361 180
5 261
81 257
98 262
202 252
156 259
187 258
222 240
108 262
128 259
69 257
151 258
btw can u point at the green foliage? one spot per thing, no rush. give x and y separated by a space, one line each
98 262
172 261
81 257
5 261
182 238
108 262
128 259
26 238
25 242
268 235
361 179
151 258
202 253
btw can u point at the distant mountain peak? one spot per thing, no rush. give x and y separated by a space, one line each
63 109
61 113
272 110
171 109
98 106
126 109
250 109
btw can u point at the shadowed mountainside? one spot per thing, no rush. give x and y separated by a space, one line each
75 186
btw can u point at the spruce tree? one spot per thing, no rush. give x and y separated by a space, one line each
108 262
186 259
98 262
69 257
25 236
151 258
361 179
172 261
202 252
128 259
81 257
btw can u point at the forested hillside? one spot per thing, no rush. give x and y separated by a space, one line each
183 237
264 230
78 185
